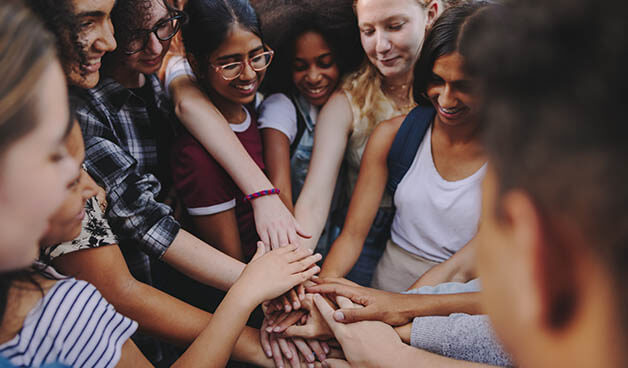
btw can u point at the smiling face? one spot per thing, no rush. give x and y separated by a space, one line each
392 33
149 60
240 45
314 71
450 92
36 171
66 223
96 38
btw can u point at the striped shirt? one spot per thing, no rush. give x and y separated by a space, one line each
72 325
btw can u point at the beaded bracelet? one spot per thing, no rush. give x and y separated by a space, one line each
262 193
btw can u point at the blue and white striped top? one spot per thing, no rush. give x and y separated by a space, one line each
73 325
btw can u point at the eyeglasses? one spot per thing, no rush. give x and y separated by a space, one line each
163 30
258 63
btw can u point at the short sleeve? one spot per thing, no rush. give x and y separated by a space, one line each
177 66
203 185
278 112
95 232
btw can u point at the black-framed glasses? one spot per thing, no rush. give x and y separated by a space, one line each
163 30
233 70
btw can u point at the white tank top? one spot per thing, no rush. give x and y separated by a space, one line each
435 217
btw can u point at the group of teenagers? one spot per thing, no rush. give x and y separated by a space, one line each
341 183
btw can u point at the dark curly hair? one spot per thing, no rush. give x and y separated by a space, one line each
59 18
283 21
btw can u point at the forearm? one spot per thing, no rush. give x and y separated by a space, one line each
441 305
459 268
409 356
202 262
342 255
215 344
203 120
277 162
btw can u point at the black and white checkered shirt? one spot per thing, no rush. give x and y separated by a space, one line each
125 133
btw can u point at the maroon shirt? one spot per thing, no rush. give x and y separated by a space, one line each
206 188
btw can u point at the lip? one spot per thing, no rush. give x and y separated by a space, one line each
389 61
153 62
315 93
251 88
451 114
80 216
92 67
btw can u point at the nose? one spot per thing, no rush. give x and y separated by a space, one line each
313 75
247 72
88 186
106 42
154 45
383 44
446 98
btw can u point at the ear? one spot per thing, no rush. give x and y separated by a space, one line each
194 64
433 9
549 288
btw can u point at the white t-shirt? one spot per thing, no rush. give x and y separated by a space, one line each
278 112
435 218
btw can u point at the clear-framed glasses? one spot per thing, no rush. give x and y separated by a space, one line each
233 70
163 30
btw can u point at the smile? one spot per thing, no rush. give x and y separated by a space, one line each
246 88
451 113
316 92
93 65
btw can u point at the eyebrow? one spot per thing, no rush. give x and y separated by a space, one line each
92 14
233 56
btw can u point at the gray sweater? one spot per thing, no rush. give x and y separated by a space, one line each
458 336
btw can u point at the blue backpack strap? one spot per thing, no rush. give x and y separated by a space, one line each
406 144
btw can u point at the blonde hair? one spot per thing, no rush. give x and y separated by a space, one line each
26 49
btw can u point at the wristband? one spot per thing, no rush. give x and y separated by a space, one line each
262 193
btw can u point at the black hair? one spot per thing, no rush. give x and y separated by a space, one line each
447 35
210 22
283 21
59 18
555 76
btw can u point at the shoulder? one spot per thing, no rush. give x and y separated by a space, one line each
339 107
386 131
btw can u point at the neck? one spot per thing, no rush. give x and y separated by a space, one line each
398 88
464 133
129 78
232 112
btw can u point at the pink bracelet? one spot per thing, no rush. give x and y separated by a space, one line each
262 193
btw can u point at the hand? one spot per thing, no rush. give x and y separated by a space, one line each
270 275
275 224
289 301
315 326
365 344
379 305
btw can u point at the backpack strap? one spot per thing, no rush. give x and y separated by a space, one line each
300 127
406 144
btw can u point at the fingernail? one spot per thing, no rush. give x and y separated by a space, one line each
310 358
287 308
326 349
269 329
277 329
296 305
302 296
338 316
269 354
310 365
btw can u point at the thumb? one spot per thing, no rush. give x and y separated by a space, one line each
327 312
261 249
336 363
301 231
299 331
350 315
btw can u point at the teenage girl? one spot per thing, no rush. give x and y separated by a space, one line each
316 44
392 34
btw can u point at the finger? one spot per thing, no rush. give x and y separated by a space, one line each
301 291
264 338
336 363
274 239
336 289
327 313
286 304
297 253
285 349
317 349
325 347
295 361
263 236
305 263
300 331
261 249
298 278
283 239
293 318
301 231
277 357
304 349
294 299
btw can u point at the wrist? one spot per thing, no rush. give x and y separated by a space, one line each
242 298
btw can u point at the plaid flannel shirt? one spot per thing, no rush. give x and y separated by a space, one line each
121 134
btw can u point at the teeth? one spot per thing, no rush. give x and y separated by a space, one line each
450 111
246 87
316 91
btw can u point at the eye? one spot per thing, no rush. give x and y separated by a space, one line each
299 66
231 66
86 24
326 62
367 31
395 26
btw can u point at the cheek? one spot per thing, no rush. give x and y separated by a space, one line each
298 77
333 75
368 44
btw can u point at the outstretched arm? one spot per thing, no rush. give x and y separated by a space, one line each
365 201
459 268
333 127
275 224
